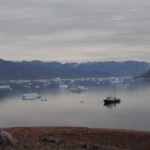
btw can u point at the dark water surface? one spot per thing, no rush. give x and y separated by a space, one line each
65 108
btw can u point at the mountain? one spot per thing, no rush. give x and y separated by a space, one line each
126 68
43 70
10 70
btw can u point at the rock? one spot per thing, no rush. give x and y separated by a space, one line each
6 139
51 138
89 147
28 146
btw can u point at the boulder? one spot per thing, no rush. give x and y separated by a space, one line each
6 139
51 138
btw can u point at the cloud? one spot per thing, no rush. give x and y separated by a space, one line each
48 29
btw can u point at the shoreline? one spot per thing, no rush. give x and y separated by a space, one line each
79 138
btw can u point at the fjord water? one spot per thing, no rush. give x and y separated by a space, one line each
64 108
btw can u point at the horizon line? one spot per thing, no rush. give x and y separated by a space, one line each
90 61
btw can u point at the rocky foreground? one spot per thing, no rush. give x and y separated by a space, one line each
70 138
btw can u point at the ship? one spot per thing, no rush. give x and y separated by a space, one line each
111 100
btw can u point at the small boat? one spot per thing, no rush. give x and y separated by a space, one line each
31 96
111 100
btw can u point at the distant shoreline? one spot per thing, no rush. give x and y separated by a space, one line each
79 138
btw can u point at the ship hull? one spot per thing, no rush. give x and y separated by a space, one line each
107 102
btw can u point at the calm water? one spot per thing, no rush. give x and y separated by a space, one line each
64 108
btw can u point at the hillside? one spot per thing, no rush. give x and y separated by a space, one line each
146 75
10 70
67 138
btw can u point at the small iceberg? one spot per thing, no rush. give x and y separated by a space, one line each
63 86
31 96
5 87
78 89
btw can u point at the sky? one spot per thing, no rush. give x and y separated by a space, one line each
75 30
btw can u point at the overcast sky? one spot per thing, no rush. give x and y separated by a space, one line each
75 30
